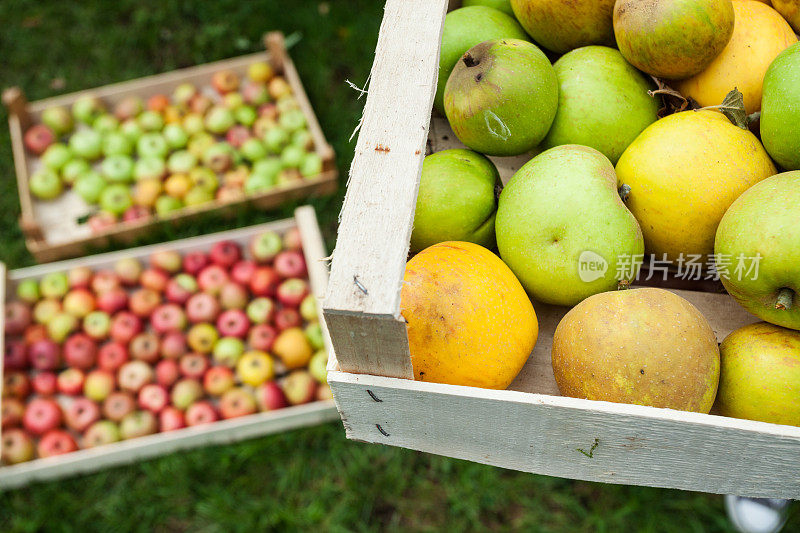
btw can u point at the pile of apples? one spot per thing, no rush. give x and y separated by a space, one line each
157 156
94 357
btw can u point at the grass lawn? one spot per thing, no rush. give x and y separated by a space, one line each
310 478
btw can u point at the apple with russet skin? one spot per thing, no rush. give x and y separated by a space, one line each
70 381
134 375
61 325
99 384
290 264
199 413
292 348
138 424
212 278
128 269
17 447
227 351
229 193
233 323
44 383
45 310
202 337
18 316
242 271
237 402
143 302
81 414
255 367
313 332
153 398
78 303
265 281
202 307
154 279
265 246
136 212
28 291
237 136
167 260
54 285
104 281
180 288
112 355
270 397
118 405
167 318
318 366
58 119
232 295
100 433
16 385
193 365
11 412
15 355
113 300
167 372
41 415
170 419
291 292
287 318
185 392
299 387
145 347
125 326
194 262
308 308
217 380
262 337
219 157
80 351
56 442
38 138
44 354
173 345
225 81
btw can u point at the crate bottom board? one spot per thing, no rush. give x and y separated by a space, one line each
531 428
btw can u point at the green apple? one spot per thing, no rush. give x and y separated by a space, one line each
105 123
253 149
89 186
151 121
233 100
131 129
175 136
245 115
292 156
303 139
286 103
45 184
292 120
456 200
54 285
259 183
219 157
117 143
501 97
308 308
563 229
760 374
149 168
87 144
199 143
780 108
198 195
463 29
193 123
28 291
117 169
116 198
58 119
227 351
602 101
152 145
87 108
167 204
56 156
181 161
205 178
311 164
60 326
501 5
269 166
275 139
759 240
219 119
314 336
318 366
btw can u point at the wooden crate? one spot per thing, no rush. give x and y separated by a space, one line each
53 229
529 427
221 432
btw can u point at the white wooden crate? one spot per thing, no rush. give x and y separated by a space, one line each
529 427
221 432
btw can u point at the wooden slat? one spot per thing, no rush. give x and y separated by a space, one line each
362 306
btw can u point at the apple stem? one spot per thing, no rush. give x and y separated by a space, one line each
470 61
785 297
624 191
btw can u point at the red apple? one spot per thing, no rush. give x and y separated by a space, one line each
169 261
262 337
153 398
44 354
99 384
242 271
290 264
16 384
70 381
136 212
81 414
287 318
45 383
101 222
112 300
17 447
173 345
225 253
292 291
217 380
193 365
180 288
202 307
167 318
264 281
104 280
292 240
128 269
37 138
56 442
41 415
118 405
167 372
80 351
201 413
17 317
194 262
233 296
15 355
270 397
237 402
299 387
134 375
237 135
145 347
170 419
112 355
80 277
212 278
11 411
154 279
125 326
143 302
233 323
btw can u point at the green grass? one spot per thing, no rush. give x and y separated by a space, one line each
305 479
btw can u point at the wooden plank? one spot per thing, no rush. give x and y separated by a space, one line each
377 216
542 434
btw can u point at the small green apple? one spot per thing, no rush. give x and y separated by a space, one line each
58 119
28 291
87 144
151 121
318 366
205 178
152 145
227 351
87 108
181 161
116 143
56 156
54 285
259 183
131 129
253 149
175 136
245 115
117 169
292 120
45 184
292 156
311 165
105 123
116 198
198 195
219 119
149 168
89 186
275 139
167 204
